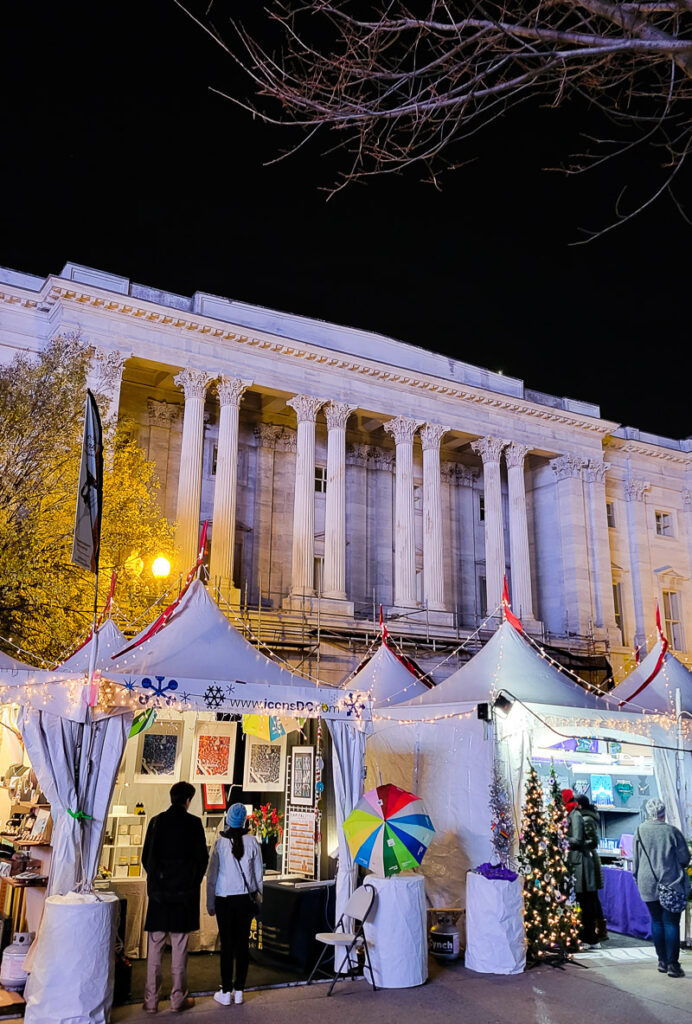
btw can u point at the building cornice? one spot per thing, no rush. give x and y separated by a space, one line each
56 291
651 451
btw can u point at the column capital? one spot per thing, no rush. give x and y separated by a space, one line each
596 470
568 465
357 454
636 489
337 413
306 407
489 448
231 389
515 453
162 414
193 382
431 434
402 429
107 368
267 435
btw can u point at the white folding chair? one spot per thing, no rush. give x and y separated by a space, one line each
358 908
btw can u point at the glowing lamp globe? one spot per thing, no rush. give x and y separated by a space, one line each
161 567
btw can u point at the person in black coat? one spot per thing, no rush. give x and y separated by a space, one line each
175 859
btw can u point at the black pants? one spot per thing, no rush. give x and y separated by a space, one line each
590 914
234 916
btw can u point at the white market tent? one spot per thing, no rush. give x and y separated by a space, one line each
198 642
7 662
110 641
658 695
386 679
435 746
508 662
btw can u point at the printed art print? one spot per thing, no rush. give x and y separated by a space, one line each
265 765
302 785
213 752
158 753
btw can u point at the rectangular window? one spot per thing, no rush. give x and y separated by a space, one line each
610 513
672 614
320 479
617 602
317 573
214 457
481 508
482 597
664 524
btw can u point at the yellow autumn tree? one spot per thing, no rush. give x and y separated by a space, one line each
46 603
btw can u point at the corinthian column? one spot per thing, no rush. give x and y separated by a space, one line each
337 414
490 448
522 601
194 384
306 408
640 558
105 378
402 430
577 599
231 390
433 567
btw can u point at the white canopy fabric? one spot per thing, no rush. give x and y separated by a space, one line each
509 663
198 642
385 679
7 662
659 694
76 765
110 641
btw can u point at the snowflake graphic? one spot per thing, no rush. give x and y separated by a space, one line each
130 684
230 689
213 697
352 704
185 698
160 688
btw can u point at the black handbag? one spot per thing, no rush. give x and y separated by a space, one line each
255 895
672 900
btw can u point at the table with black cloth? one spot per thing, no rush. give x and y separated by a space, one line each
291 916
623 907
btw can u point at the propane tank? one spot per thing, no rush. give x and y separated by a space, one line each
443 937
12 973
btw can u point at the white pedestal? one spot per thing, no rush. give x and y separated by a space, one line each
396 932
495 941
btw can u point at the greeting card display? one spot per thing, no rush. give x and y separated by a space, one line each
213 752
265 765
159 753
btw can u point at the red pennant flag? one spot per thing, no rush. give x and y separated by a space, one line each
507 612
167 612
383 629
659 661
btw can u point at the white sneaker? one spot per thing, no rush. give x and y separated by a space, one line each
238 996
223 997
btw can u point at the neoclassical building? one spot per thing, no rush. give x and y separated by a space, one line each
342 470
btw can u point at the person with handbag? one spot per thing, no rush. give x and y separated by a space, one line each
581 864
234 894
660 856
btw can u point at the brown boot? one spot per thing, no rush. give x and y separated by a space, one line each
187 1004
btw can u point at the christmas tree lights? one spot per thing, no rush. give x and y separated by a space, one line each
551 917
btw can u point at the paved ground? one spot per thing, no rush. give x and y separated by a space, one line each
620 987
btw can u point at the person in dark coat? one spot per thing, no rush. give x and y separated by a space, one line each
592 830
582 867
175 859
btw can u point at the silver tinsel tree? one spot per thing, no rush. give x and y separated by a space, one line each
501 816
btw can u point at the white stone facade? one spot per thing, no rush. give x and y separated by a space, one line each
342 470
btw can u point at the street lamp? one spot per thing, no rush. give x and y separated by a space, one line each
161 567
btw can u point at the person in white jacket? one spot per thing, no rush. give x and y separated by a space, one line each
234 876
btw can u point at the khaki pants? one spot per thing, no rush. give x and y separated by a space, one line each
178 968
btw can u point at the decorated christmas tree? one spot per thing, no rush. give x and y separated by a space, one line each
551 918
570 919
501 820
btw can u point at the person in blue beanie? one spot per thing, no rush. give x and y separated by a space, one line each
234 888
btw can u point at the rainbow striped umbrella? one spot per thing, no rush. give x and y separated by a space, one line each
388 830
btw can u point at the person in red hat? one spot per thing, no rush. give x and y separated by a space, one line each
582 867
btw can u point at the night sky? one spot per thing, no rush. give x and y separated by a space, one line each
117 155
